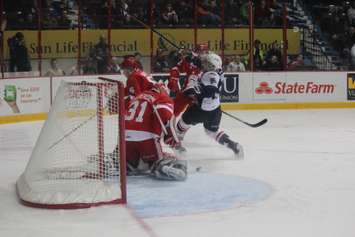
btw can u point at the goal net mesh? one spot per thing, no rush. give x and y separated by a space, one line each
78 156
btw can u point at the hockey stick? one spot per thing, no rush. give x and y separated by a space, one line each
171 124
159 119
72 131
253 125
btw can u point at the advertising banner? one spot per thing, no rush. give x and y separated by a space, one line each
298 87
57 80
64 43
351 86
264 87
89 78
230 89
24 96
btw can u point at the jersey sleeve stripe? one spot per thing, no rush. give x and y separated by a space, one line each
167 107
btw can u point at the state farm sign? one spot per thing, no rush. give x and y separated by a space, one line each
295 88
282 89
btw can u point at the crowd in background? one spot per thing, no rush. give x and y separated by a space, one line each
62 14
99 60
337 22
265 58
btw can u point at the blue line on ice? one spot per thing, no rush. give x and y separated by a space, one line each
201 192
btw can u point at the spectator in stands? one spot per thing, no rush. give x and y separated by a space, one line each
185 11
271 4
3 25
57 6
161 61
244 13
121 13
207 13
274 50
276 12
273 64
138 12
101 55
232 12
236 65
349 37
352 58
90 67
351 14
258 55
169 16
262 14
296 64
62 22
77 68
54 70
337 28
19 57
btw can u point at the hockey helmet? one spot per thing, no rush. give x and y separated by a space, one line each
202 47
129 63
211 62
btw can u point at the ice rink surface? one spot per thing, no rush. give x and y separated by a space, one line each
305 157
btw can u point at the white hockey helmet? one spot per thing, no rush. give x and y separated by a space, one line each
211 62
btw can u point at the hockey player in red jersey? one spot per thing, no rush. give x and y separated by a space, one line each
191 66
137 80
147 118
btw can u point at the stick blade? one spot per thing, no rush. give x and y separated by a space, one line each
255 125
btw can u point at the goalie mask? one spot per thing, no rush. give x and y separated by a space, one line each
211 62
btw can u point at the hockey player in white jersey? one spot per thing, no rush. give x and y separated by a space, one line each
205 89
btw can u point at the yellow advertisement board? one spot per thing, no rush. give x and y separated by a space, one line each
184 38
64 43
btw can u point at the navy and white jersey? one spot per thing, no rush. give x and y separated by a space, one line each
210 85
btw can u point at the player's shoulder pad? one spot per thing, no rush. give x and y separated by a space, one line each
165 103
210 78
142 74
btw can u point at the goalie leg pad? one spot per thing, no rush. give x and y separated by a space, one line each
170 168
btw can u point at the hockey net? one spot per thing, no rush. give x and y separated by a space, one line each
79 158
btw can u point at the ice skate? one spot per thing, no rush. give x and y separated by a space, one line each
237 149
